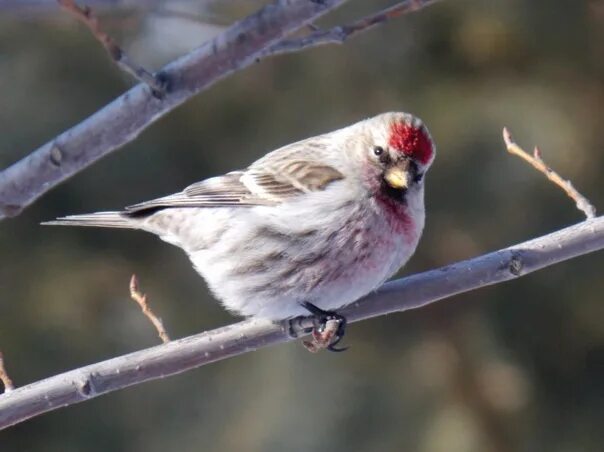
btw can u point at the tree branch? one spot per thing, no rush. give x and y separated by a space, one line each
127 116
408 293
341 33
539 164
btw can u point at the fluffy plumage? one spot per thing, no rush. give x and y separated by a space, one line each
324 220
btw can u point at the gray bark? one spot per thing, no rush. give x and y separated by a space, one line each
194 351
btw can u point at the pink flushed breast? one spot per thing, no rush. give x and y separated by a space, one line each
397 216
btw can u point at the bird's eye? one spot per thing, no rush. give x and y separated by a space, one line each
418 178
378 150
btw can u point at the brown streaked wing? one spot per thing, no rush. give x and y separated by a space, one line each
292 170
282 174
221 191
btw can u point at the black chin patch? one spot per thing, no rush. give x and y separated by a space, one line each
397 194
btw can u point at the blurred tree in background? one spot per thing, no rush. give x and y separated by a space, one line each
514 367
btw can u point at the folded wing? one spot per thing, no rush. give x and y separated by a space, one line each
280 175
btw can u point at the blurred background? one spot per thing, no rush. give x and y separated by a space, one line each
514 367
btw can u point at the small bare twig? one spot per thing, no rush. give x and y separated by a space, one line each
4 378
84 14
141 299
339 34
537 162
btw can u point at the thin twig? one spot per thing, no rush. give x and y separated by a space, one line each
141 299
339 34
4 378
539 164
409 293
85 15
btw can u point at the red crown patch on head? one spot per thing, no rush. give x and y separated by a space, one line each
411 141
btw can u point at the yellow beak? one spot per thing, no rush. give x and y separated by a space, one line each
396 178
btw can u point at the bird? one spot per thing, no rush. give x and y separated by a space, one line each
310 227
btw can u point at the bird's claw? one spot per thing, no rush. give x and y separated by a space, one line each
328 333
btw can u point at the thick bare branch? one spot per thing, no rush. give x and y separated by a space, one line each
539 164
194 351
141 299
85 15
127 116
341 33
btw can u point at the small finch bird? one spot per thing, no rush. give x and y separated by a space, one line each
312 226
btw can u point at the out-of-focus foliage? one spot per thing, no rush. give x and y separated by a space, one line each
515 367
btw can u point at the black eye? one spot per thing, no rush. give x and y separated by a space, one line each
378 150
418 178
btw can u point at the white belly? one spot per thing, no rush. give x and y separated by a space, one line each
264 265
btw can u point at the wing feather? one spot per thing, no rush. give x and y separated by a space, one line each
285 173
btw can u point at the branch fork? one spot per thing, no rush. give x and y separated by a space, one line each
259 35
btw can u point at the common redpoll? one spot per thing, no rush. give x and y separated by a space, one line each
315 224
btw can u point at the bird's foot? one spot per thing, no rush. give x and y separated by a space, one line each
329 331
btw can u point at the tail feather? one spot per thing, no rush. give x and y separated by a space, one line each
98 219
